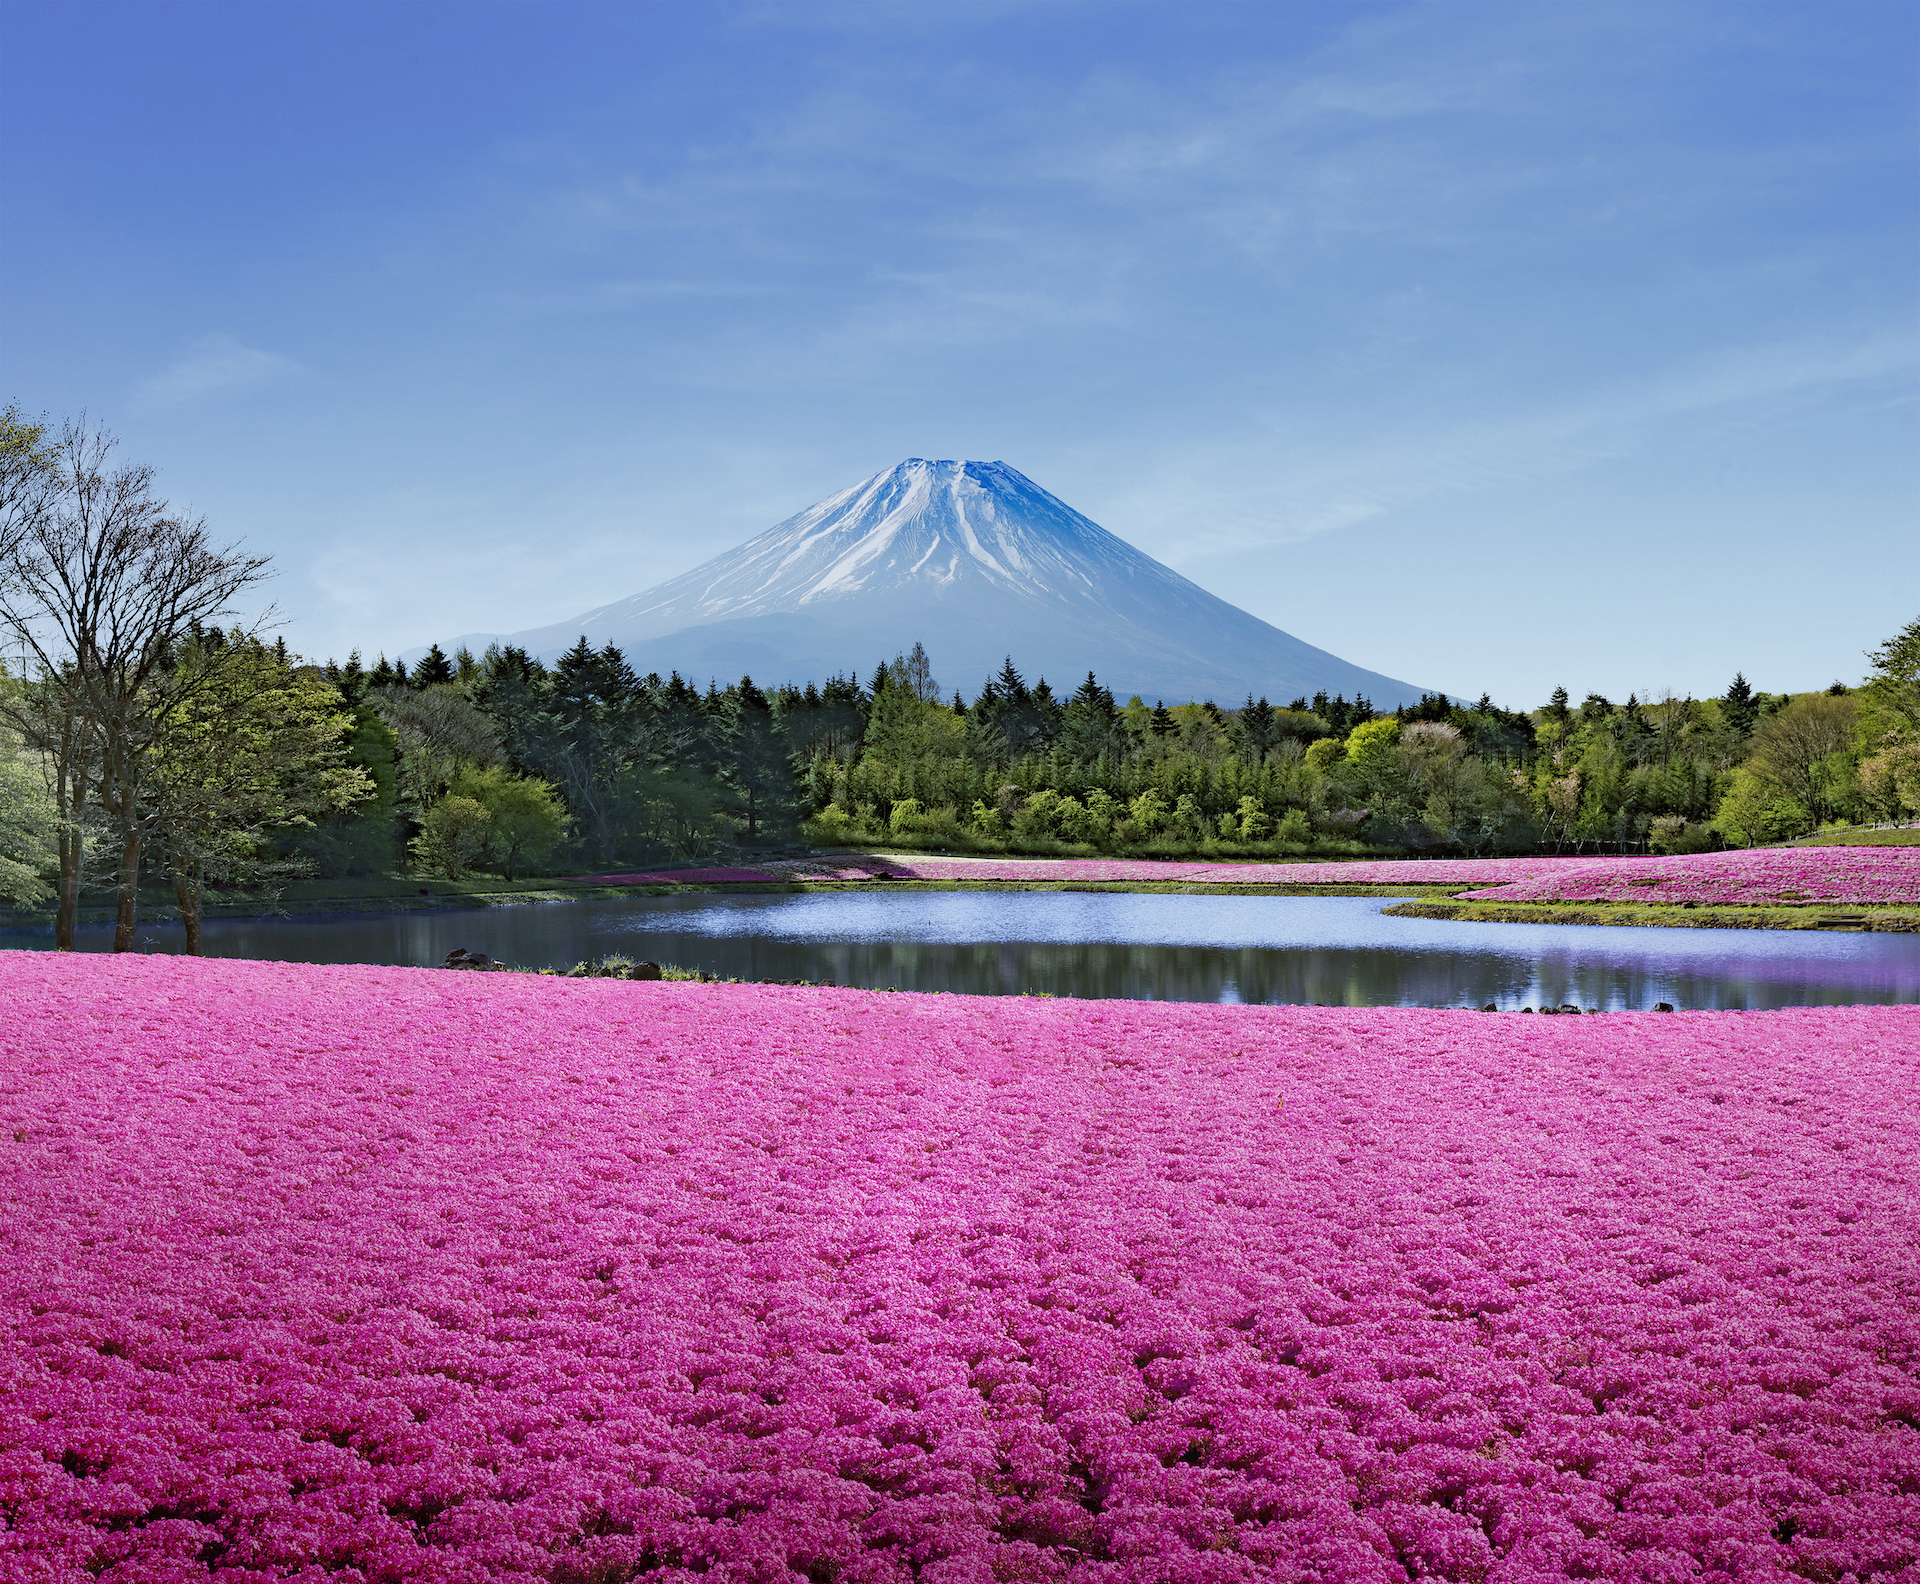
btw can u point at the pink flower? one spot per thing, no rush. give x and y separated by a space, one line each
383 1273
1848 876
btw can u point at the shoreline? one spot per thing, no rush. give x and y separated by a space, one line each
1415 901
1645 915
41 922
1403 880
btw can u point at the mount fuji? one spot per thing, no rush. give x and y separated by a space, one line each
977 562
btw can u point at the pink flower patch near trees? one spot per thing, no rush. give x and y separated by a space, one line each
386 1274
1850 876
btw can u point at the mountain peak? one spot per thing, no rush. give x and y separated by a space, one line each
977 561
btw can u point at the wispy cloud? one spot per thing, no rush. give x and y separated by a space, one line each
1183 510
214 366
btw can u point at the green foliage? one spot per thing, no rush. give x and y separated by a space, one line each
433 669
1800 758
1755 812
363 839
1250 821
829 826
28 821
646 768
1150 812
453 835
1674 833
1887 728
1294 829
1370 747
26 464
525 817
1739 708
1323 755
756 766
257 746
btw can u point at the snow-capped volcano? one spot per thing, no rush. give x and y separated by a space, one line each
977 562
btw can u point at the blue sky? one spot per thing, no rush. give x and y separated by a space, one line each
1489 346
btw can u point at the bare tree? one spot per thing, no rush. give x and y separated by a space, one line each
101 582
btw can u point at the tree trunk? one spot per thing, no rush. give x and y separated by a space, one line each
187 892
72 845
128 913
69 911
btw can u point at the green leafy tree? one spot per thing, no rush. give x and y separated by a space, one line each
29 820
525 818
1887 727
440 733
255 748
453 835
1793 750
101 585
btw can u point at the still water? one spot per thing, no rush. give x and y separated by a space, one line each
1338 950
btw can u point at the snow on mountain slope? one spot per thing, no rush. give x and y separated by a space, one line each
978 562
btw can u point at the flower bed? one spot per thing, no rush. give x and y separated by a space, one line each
1849 876
1386 871
452 1276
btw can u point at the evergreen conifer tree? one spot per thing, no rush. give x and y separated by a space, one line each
757 764
1739 707
433 670
1256 729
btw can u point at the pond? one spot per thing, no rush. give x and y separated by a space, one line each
1335 950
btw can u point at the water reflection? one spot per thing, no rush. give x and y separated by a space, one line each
1338 950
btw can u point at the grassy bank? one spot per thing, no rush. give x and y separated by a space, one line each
1654 915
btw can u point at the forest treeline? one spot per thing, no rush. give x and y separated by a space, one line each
501 762
143 733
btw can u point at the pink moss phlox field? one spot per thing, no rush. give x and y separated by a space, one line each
679 877
1386 871
383 1274
1851 876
